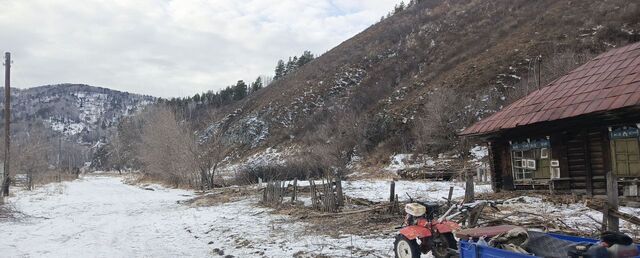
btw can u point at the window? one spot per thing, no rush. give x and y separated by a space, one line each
626 157
523 174
522 164
518 163
531 159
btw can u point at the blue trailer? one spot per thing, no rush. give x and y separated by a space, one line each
473 250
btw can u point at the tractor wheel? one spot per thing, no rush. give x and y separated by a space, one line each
405 248
442 244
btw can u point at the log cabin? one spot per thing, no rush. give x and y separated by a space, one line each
568 135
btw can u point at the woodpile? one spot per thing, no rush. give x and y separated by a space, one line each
443 169
528 220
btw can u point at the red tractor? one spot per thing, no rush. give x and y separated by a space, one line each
422 232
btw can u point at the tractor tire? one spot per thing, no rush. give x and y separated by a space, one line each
445 242
405 248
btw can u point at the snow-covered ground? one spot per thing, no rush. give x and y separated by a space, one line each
99 216
575 215
421 190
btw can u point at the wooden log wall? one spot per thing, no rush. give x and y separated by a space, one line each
586 161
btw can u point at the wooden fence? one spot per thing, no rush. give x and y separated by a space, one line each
273 194
326 196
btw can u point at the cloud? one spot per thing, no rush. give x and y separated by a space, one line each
170 47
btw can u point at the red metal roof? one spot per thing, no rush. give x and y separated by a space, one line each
609 81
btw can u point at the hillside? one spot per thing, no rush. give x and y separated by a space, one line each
76 111
75 117
410 82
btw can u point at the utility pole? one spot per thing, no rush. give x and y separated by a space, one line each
7 121
539 70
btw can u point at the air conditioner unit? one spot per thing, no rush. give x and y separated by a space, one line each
555 173
531 164
555 163
630 190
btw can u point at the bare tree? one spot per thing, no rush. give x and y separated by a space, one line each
166 151
117 153
208 154
31 152
443 115
335 140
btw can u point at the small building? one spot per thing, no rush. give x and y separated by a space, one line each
569 134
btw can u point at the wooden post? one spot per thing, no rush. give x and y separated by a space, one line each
613 223
314 194
392 195
7 121
339 194
392 191
469 193
450 195
295 190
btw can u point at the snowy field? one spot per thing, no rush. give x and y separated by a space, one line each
102 217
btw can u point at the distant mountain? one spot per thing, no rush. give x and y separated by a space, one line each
79 113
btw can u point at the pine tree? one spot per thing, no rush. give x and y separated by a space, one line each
257 85
280 70
305 58
226 95
209 97
291 65
239 90
399 8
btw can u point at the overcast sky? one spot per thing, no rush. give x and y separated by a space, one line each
169 48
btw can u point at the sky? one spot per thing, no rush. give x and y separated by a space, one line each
170 48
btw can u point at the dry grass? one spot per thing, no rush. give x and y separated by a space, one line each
221 195
52 176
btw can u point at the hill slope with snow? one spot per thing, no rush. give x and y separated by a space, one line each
79 112
411 81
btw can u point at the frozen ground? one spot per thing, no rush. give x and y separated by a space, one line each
422 190
102 217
